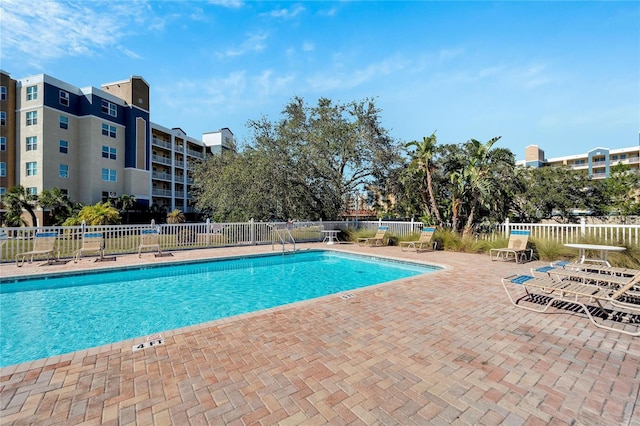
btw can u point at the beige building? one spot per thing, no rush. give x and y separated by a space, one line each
597 162
96 144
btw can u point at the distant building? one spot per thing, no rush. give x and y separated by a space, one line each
96 144
597 162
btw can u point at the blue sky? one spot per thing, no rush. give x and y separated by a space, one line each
561 75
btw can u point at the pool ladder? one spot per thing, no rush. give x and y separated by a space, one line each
284 239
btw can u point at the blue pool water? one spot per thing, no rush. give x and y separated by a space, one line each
57 315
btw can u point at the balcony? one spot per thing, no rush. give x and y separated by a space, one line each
160 142
196 154
161 192
162 176
161 160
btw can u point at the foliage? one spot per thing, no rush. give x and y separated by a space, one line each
551 192
621 191
176 216
550 250
17 199
97 214
306 165
460 186
422 167
59 205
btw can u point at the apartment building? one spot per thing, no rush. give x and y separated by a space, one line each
597 162
96 144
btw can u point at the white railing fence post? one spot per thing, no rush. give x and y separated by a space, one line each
252 232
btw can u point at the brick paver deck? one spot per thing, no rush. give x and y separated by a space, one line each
443 348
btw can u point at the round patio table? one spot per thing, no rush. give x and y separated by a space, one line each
604 252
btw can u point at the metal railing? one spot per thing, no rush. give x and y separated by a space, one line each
284 236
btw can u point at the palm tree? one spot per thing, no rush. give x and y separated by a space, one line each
479 176
97 214
422 163
176 216
125 202
58 204
18 199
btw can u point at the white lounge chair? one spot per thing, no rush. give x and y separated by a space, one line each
516 248
424 242
550 290
43 245
92 242
149 239
377 240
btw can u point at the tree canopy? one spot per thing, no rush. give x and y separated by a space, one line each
306 165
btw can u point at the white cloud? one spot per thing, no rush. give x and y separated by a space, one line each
41 31
308 46
332 80
232 4
287 13
130 53
254 43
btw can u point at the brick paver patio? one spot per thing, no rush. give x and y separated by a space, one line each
443 348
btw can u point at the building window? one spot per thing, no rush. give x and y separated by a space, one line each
32 118
108 152
3 143
32 143
32 93
109 108
3 93
32 168
64 98
64 146
32 190
64 171
109 175
108 130
3 169
3 118
3 190
64 122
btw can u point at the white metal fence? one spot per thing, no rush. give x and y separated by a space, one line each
121 239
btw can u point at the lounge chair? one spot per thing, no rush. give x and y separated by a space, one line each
43 245
517 247
423 243
92 242
599 268
149 239
588 277
568 292
377 240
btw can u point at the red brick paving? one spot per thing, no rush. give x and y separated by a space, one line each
443 348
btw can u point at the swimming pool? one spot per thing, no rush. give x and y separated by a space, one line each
57 315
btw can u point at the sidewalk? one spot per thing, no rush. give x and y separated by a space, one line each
443 348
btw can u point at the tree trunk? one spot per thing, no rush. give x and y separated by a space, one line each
432 198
